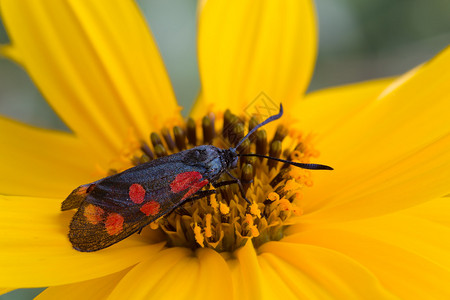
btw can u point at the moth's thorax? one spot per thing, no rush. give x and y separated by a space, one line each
208 158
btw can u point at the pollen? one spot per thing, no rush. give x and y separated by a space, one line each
199 238
272 196
213 203
285 205
252 228
296 155
291 185
254 210
224 209
154 225
208 229
224 221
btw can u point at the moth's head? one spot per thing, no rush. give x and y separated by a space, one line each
230 158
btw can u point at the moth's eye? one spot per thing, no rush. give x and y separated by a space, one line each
196 154
201 154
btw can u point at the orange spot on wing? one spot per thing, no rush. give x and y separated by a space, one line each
114 224
184 181
81 190
93 214
151 208
136 193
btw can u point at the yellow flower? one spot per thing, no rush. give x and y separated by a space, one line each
376 227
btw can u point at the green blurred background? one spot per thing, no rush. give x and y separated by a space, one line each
359 40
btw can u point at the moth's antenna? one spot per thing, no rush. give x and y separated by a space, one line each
268 120
300 165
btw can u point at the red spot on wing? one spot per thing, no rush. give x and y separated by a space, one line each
137 193
93 214
151 208
114 224
195 187
184 181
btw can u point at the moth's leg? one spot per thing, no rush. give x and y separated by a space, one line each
222 183
200 194
241 188
181 210
228 182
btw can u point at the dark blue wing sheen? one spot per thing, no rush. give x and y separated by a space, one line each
110 211
155 177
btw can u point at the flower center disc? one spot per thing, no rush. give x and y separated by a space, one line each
225 221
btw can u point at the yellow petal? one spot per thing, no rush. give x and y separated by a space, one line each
98 288
199 107
246 48
279 287
214 278
437 210
412 179
319 273
170 274
9 52
35 250
247 274
175 274
95 63
5 290
394 153
288 276
324 110
38 162
409 255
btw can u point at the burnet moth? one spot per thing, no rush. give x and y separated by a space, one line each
115 207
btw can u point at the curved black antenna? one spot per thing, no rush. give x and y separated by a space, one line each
268 120
300 165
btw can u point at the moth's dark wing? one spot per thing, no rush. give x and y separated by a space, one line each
93 228
122 204
156 179
77 196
